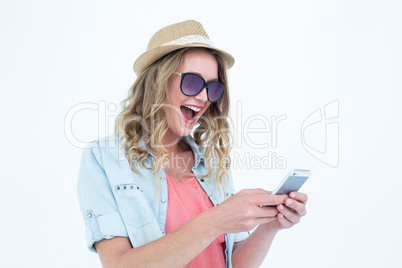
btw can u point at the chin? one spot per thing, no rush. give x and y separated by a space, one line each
185 132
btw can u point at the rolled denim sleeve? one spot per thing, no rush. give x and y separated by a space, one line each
98 205
241 236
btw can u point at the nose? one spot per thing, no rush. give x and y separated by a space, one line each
202 96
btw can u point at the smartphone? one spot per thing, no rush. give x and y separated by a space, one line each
292 182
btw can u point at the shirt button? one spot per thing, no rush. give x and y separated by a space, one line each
162 178
202 180
89 215
163 200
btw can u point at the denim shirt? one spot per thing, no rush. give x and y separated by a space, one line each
115 201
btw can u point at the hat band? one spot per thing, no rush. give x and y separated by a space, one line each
190 39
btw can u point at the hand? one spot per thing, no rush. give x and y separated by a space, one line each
290 212
245 210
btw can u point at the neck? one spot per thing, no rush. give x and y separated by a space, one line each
171 143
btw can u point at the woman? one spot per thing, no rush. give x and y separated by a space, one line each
159 193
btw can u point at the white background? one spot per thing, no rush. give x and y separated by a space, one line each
292 58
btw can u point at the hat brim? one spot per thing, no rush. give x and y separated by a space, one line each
149 57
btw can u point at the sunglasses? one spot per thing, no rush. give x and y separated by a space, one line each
192 84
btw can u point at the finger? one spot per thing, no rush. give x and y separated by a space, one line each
296 206
267 212
284 221
269 200
264 220
291 216
301 197
254 191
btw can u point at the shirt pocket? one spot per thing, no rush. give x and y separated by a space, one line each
133 206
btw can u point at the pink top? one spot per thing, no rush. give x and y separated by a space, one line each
187 199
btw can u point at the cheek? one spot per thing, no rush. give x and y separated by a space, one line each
205 110
173 114
170 113
173 89
207 106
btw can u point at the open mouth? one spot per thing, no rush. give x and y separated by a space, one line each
188 113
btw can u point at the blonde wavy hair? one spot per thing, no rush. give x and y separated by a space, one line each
143 108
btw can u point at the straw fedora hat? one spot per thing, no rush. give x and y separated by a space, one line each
184 34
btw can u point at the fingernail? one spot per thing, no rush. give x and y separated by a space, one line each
281 207
288 202
292 195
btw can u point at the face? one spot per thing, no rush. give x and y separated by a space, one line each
181 119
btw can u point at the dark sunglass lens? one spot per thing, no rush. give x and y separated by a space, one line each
192 84
215 91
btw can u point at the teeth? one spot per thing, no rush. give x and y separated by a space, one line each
193 108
